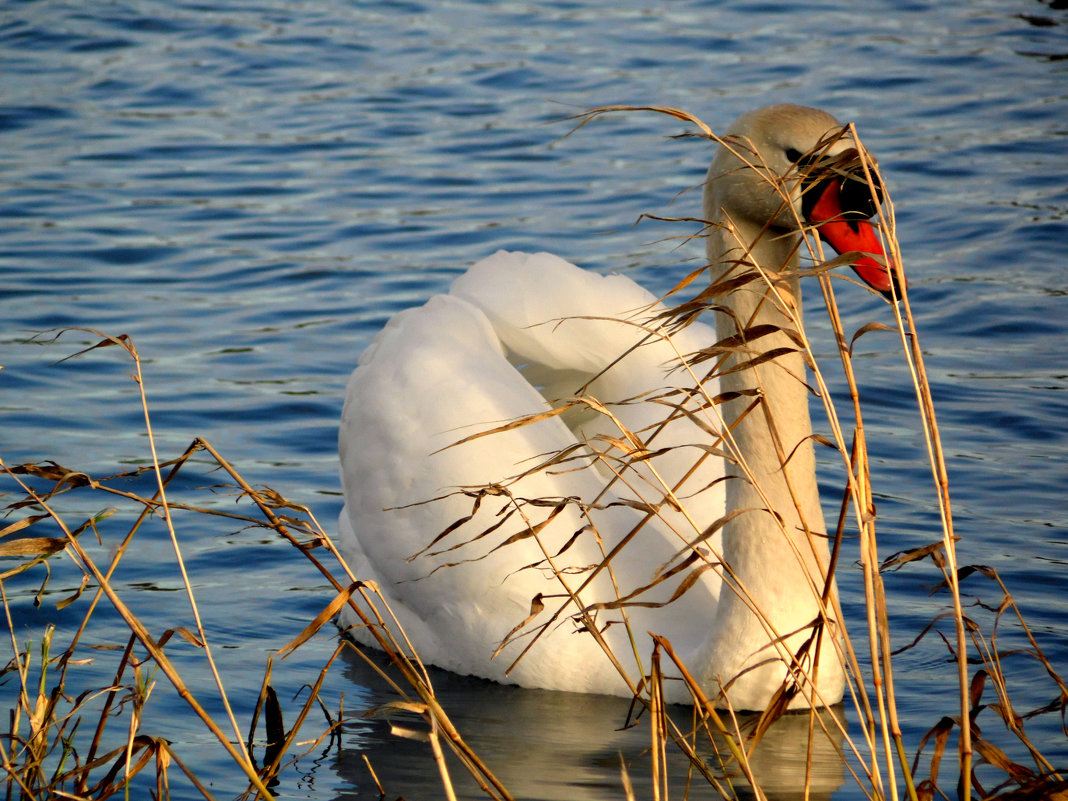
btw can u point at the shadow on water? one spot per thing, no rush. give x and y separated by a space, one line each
554 745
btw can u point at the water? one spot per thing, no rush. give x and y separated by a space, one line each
250 190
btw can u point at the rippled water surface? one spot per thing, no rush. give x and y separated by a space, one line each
249 190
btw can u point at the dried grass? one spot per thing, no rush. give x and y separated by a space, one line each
65 740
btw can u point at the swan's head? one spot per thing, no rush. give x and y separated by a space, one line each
783 167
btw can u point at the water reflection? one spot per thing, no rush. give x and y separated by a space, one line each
552 745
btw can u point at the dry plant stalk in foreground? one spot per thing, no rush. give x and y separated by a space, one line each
93 742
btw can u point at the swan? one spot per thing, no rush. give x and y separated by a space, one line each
525 335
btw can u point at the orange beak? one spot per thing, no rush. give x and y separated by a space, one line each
847 233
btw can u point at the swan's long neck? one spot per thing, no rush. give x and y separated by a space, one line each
775 560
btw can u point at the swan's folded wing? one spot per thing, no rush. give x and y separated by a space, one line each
439 374
436 375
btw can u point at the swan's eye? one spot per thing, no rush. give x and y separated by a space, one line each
792 155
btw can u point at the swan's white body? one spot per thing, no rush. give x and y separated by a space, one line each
440 373
504 343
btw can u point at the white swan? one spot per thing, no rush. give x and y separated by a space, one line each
516 330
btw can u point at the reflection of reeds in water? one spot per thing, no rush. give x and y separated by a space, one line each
92 742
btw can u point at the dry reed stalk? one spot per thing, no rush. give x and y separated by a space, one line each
859 488
153 647
295 524
30 759
882 751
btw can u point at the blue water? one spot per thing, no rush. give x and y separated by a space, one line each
249 190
